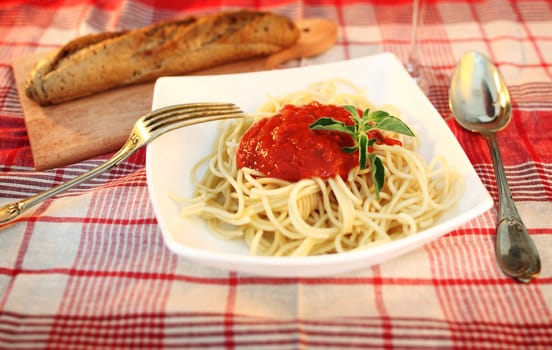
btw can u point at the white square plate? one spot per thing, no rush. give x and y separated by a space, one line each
170 158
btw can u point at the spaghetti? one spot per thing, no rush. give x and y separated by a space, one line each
313 216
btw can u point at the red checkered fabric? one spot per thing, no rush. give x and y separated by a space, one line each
89 269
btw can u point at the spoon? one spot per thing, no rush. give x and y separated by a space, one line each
480 102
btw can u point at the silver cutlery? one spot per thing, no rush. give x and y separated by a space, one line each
480 102
146 129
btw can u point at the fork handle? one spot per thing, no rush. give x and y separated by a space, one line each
12 210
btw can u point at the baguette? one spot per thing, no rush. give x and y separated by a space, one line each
99 62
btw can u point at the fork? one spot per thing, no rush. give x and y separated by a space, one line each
145 130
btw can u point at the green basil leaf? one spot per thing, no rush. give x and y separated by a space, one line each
391 123
354 114
375 120
331 125
378 173
353 110
349 150
377 116
362 150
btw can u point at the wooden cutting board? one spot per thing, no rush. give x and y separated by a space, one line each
76 130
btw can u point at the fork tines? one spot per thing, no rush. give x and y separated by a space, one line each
176 116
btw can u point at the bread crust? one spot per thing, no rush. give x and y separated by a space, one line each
99 62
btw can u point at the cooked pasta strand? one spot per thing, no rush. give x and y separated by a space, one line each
316 216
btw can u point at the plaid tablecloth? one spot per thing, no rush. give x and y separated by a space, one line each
89 269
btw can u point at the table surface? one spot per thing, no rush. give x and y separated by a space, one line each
89 268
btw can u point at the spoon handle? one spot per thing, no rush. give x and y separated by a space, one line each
516 253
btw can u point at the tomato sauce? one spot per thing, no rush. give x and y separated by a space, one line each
284 147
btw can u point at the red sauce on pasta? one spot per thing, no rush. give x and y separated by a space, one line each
284 147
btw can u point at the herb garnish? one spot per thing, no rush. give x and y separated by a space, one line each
377 120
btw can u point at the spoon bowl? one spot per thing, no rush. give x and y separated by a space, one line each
479 98
480 102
